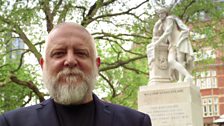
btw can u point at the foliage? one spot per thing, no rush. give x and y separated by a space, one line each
121 29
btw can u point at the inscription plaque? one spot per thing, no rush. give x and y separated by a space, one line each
171 104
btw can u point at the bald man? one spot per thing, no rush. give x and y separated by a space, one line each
70 67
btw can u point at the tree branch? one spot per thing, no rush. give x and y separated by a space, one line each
39 43
48 15
186 7
135 70
21 61
120 63
29 85
32 47
110 84
105 34
92 11
110 40
117 14
108 2
3 65
26 102
64 13
56 7
83 9
22 36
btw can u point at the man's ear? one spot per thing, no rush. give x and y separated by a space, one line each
98 62
41 62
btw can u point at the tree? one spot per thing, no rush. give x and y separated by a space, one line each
206 21
121 28
32 20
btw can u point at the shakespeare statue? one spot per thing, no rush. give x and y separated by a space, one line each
171 36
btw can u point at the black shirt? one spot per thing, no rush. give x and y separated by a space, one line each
76 115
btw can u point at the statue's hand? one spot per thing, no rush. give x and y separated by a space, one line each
151 45
189 59
154 44
178 44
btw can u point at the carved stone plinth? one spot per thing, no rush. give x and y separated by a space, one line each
171 104
159 69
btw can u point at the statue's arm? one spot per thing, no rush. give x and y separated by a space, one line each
156 28
168 30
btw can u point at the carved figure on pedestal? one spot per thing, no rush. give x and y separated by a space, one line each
170 30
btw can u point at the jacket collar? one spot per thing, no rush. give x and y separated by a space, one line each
47 114
104 114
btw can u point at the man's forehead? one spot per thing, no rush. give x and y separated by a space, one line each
66 31
71 26
69 30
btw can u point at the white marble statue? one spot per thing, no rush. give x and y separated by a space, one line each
170 30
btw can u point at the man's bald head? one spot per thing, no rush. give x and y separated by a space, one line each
70 27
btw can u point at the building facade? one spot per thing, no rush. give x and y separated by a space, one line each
14 48
210 79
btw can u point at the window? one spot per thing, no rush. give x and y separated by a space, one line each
210 106
213 73
216 102
213 79
209 84
198 83
204 102
203 83
214 82
16 44
206 79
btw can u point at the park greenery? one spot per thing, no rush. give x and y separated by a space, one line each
121 28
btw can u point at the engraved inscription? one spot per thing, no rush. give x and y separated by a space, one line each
164 115
174 91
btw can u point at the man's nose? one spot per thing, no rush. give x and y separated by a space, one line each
70 60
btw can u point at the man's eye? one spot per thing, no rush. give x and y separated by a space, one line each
58 54
82 54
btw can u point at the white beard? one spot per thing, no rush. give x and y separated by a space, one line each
69 91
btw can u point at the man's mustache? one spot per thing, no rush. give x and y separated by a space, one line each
68 72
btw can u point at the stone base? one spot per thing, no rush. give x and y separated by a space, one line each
171 104
156 80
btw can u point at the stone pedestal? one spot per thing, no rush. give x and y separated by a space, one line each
171 104
158 64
